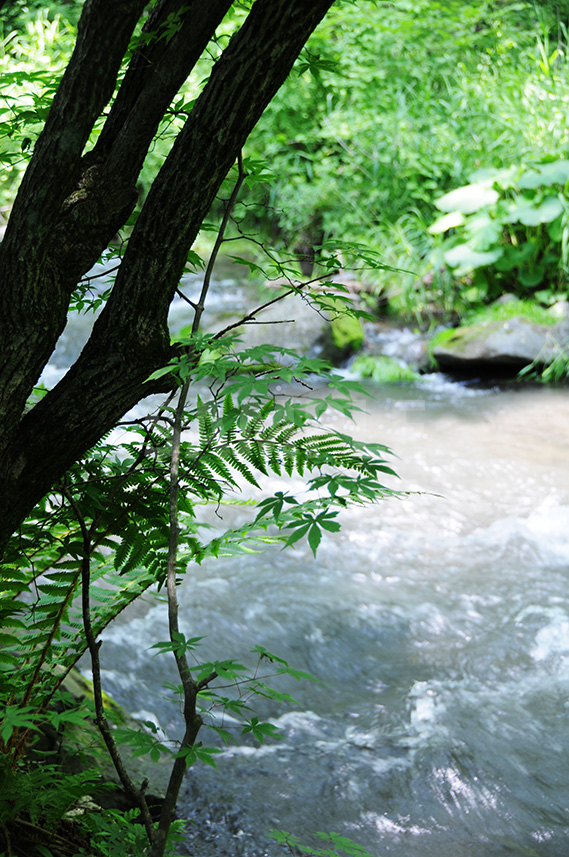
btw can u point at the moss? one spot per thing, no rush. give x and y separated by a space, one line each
347 333
442 338
513 308
383 370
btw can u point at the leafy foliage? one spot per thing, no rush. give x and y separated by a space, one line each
334 845
400 105
508 230
382 369
237 431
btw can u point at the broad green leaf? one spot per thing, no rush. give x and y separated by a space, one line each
261 730
555 172
205 754
555 229
483 232
464 259
515 257
524 210
532 277
314 537
446 222
468 199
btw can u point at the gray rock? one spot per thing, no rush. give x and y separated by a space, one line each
505 345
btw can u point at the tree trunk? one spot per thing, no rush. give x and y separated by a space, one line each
70 205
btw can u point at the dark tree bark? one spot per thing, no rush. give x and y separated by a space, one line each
71 204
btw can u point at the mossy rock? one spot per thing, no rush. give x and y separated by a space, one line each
499 345
383 370
81 747
345 335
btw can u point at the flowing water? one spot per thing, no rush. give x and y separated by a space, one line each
438 626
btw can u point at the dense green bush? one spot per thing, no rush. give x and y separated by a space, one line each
390 106
508 231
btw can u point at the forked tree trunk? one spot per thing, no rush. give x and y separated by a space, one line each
70 205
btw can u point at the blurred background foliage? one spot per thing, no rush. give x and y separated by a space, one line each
391 106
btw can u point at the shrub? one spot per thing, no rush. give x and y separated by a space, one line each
508 231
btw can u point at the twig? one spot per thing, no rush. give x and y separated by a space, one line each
102 274
250 317
100 719
192 719
180 294
242 175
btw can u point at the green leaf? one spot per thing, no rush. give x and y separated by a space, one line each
554 172
463 259
555 229
205 754
524 210
299 675
314 537
531 277
483 231
468 199
261 731
446 222
515 257
16 718
180 644
348 846
299 532
225 736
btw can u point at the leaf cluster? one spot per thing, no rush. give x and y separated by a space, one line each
508 230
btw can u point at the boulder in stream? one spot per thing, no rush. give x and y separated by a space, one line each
500 345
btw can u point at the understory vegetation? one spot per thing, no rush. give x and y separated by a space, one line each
390 107
408 102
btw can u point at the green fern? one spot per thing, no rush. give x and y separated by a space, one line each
117 498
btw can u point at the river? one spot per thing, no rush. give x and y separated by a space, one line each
439 627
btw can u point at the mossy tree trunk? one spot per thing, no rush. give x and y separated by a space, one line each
72 203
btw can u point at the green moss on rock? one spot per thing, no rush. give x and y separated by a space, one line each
383 370
347 333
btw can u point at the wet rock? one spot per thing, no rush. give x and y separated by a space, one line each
504 345
407 346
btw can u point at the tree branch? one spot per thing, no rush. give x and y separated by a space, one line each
137 795
242 175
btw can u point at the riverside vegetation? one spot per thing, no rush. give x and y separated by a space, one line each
375 129
386 113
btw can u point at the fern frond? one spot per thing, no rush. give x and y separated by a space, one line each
239 465
290 460
252 452
214 461
285 435
255 425
274 460
205 423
